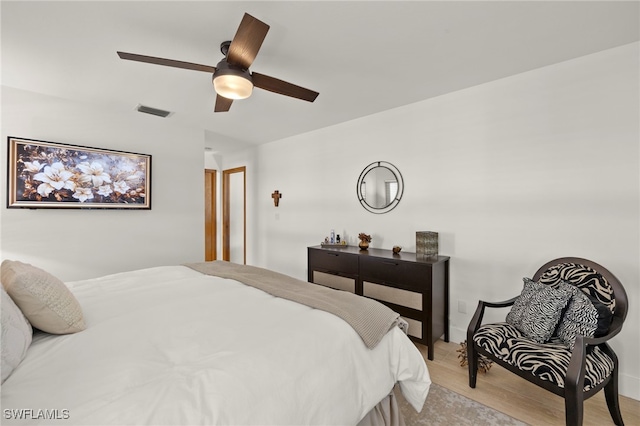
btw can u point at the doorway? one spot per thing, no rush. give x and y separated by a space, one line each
234 219
210 215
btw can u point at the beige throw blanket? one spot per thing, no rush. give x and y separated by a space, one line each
370 319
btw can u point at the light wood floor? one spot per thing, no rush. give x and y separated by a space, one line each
512 395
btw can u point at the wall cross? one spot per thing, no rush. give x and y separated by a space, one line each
276 197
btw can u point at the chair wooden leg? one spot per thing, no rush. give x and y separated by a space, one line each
611 395
574 407
472 360
573 403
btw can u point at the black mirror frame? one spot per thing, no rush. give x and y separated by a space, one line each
393 169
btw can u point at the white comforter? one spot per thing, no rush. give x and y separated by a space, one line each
169 345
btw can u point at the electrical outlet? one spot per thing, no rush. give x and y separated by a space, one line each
462 307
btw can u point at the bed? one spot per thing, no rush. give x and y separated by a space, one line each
189 345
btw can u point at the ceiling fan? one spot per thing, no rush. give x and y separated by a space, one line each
231 77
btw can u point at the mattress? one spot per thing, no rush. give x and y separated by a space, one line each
169 345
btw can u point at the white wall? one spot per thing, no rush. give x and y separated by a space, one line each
511 174
77 244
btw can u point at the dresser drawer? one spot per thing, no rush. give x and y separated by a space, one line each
334 281
334 261
415 327
395 272
401 297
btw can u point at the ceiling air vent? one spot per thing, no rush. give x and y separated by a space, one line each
153 111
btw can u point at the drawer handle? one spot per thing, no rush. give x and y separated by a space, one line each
391 263
333 254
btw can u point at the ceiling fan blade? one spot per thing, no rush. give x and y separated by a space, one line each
166 62
282 87
247 41
222 104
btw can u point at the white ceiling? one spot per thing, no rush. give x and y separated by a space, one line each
363 57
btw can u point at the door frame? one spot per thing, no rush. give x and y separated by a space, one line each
226 212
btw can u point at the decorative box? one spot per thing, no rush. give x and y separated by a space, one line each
426 244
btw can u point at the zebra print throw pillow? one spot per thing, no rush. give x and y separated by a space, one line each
586 316
538 310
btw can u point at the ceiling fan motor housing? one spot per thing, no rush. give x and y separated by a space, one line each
231 81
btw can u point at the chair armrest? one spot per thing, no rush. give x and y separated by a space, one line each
502 304
476 320
614 328
574 380
576 369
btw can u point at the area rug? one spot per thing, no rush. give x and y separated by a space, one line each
446 407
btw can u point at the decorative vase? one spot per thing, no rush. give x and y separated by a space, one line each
363 245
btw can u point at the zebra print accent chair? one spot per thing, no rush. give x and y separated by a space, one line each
574 371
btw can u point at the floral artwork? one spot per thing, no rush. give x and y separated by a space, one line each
45 174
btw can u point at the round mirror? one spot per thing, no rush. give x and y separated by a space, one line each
380 187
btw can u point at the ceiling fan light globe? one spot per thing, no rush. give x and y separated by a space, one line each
233 86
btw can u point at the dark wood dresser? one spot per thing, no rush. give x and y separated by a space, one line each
418 289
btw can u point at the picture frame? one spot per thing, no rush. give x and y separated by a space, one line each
44 174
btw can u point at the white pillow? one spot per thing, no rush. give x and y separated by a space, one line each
16 335
45 300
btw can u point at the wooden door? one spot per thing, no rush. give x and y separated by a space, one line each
210 213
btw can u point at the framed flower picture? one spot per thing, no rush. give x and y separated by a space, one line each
53 175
